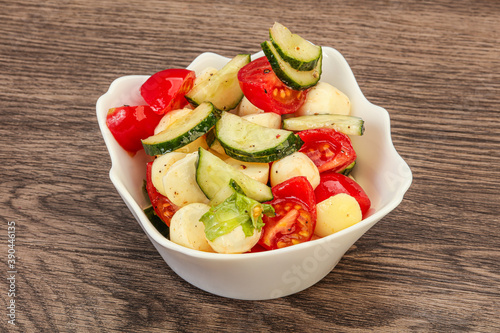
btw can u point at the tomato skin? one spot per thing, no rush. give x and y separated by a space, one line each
266 91
164 91
327 148
332 183
258 248
295 206
130 124
162 206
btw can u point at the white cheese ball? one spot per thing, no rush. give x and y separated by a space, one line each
324 98
160 167
187 230
246 108
336 213
266 119
297 164
257 171
235 241
180 184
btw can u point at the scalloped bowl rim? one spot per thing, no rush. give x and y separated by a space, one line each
209 57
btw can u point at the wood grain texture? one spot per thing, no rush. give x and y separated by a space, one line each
84 264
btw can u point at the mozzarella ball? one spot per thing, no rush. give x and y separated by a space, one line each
180 183
325 99
160 167
297 164
336 213
266 119
235 241
187 230
246 108
257 171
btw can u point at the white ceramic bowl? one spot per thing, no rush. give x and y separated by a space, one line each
265 275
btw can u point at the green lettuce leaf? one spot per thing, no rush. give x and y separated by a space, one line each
236 210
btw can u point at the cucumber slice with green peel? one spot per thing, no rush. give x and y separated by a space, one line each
348 169
183 131
213 174
299 53
349 125
282 152
295 79
210 138
222 89
249 142
213 143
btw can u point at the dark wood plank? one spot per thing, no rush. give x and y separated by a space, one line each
83 262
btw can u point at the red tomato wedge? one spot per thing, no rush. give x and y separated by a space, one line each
327 148
266 91
130 124
332 183
258 248
162 206
164 91
295 219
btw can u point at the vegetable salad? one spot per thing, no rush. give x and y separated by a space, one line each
254 156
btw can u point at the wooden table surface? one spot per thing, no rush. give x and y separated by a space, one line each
83 264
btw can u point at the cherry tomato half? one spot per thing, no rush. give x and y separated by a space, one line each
257 248
163 207
332 183
165 90
295 207
130 124
327 148
266 91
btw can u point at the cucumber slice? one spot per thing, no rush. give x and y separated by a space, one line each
222 89
266 119
349 125
293 78
213 174
214 144
210 138
257 171
249 142
295 50
348 169
183 131
170 117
